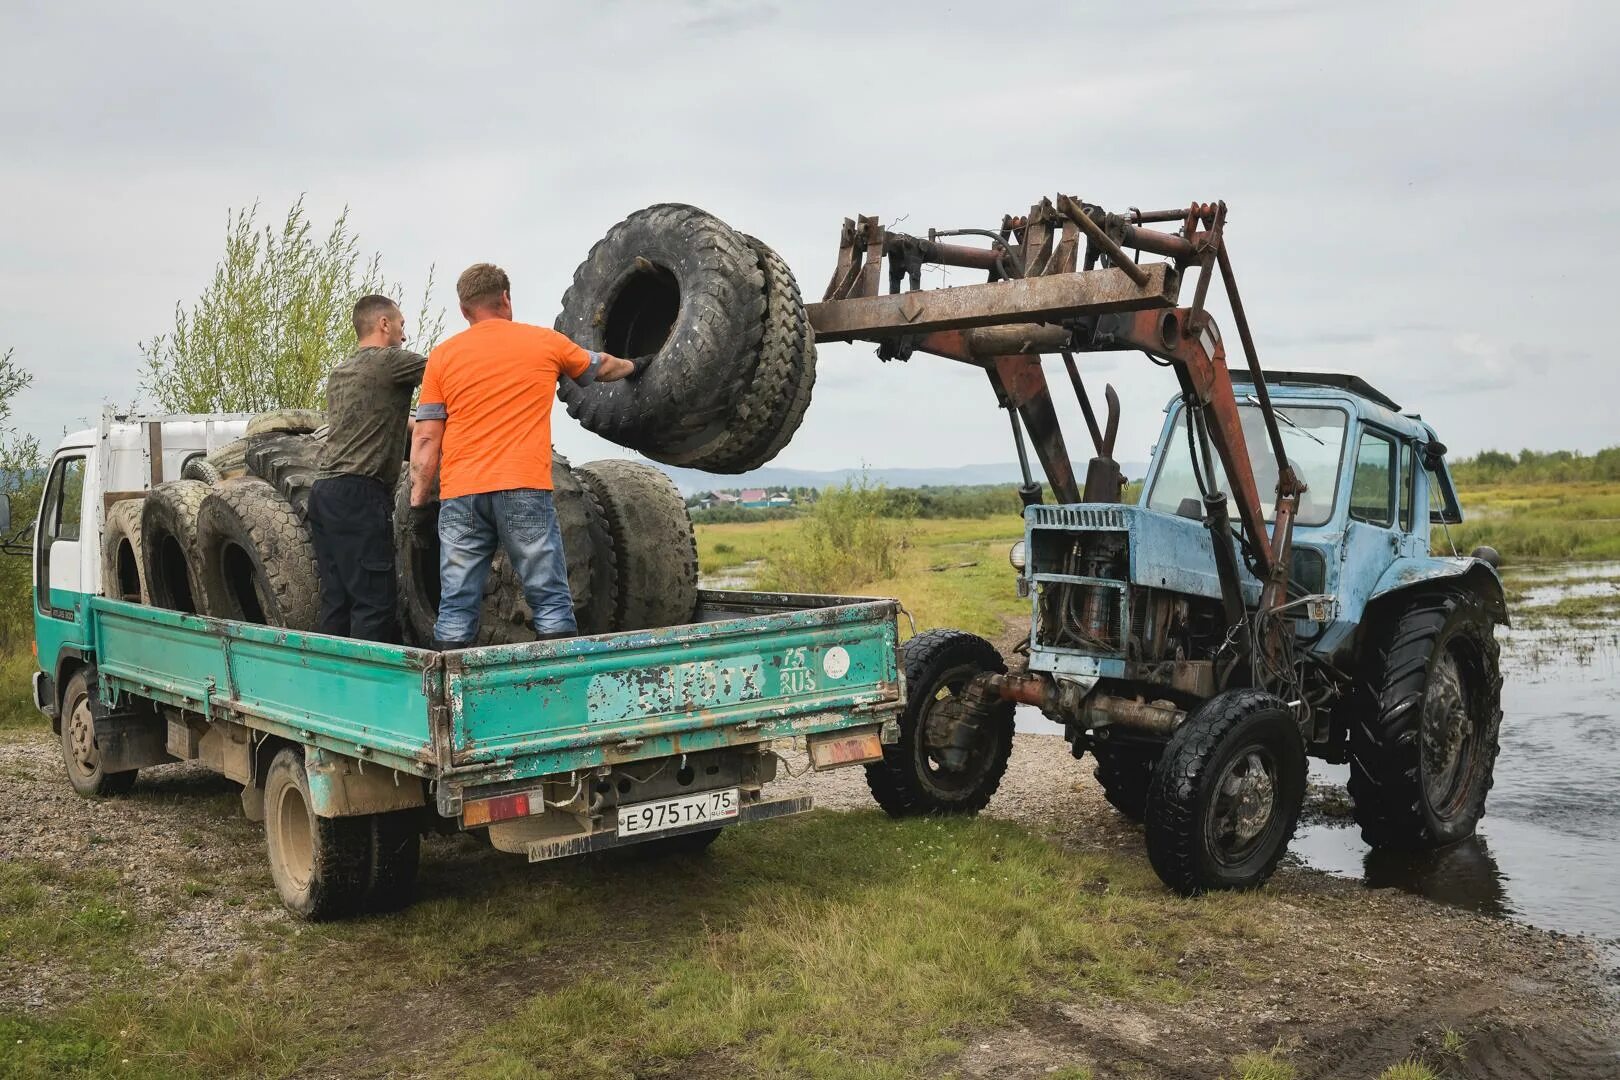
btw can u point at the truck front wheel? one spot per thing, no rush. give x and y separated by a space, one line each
321 866
940 765
80 751
1423 751
1226 794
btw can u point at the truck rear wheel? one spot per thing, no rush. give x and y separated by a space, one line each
396 852
169 545
321 866
258 564
1226 794
80 753
913 777
1423 754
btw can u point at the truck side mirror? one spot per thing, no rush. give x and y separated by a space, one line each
5 515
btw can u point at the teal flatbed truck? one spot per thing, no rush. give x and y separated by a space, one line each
349 750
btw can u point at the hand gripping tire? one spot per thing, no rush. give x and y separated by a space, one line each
123 577
169 545
654 546
677 290
258 564
773 406
322 867
1226 794
1423 749
910 780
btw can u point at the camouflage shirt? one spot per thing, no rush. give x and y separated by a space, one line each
368 401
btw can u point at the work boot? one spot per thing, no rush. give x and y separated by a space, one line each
450 646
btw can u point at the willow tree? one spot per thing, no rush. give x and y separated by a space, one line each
20 479
273 321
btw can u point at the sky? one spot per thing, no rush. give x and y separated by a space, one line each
1420 193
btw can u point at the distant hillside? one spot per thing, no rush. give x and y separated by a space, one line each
691 481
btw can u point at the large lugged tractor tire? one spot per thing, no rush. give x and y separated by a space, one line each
765 418
1125 770
677 290
912 778
81 754
1226 794
653 543
123 577
289 463
286 421
506 619
258 564
169 545
1423 751
322 867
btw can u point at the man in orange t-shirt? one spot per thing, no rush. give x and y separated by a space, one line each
483 428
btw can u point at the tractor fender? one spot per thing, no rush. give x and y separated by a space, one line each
1415 571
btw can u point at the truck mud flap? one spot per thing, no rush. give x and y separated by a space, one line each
541 850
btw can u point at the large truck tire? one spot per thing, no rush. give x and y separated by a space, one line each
123 575
286 421
169 549
321 866
505 618
231 459
396 852
653 543
289 463
258 564
1124 771
1423 751
80 752
773 406
1226 794
677 290
912 779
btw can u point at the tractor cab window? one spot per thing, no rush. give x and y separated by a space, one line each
1312 437
1408 482
1372 488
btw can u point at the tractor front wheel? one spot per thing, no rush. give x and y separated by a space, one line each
1226 795
946 761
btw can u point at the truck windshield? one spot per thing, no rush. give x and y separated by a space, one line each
1313 439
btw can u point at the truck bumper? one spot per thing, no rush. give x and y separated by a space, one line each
541 850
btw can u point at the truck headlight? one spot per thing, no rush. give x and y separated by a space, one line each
1016 556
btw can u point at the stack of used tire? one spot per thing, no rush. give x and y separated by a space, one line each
715 321
237 546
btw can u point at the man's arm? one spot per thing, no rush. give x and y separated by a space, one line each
612 368
426 441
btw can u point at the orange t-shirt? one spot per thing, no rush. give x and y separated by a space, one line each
494 385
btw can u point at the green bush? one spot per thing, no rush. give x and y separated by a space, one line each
848 538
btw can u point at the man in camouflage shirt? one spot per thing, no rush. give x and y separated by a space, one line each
368 404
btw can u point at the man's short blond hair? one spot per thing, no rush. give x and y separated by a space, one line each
481 285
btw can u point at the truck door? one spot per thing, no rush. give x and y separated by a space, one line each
60 573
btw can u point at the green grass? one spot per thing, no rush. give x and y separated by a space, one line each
17 712
1409 1070
1271 1065
1539 521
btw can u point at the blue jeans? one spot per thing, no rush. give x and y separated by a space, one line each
524 523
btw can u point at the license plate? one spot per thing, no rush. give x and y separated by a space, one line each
651 817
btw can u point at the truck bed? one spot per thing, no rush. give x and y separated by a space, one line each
754 666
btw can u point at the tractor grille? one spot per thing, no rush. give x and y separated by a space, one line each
1077 517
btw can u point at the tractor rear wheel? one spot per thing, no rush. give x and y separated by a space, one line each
1423 752
1227 793
915 776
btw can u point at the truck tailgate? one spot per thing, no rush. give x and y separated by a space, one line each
759 666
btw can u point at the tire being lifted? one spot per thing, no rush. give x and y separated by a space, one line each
653 543
1226 794
258 564
913 777
677 290
169 550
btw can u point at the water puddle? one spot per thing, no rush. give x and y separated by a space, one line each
734 578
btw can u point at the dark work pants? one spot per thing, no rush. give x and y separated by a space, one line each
350 523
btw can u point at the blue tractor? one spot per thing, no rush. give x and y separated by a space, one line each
1270 594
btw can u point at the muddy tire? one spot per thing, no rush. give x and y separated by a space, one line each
654 547
80 753
286 421
1423 751
1226 794
770 411
123 577
678 291
258 565
396 852
174 571
289 463
229 460
1125 770
911 778
321 866
198 467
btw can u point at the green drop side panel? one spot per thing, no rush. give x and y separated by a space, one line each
554 706
355 697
